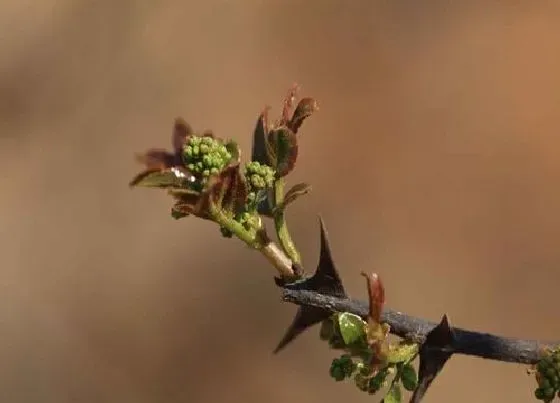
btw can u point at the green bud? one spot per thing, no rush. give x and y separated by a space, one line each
214 171
204 149
336 371
549 393
542 366
206 172
207 160
208 141
544 383
550 372
225 232
191 167
188 151
539 394
199 166
362 382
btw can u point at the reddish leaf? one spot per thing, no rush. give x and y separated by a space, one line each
157 158
376 293
189 202
181 130
170 178
293 194
305 108
288 105
227 190
282 150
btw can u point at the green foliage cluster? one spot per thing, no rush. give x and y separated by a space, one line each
359 362
547 373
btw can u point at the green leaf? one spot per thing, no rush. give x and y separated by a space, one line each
409 377
170 178
352 328
282 150
402 353
394 394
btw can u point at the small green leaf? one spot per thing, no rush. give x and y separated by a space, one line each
402 353
394 394
163 179
409 377
352 328
282 150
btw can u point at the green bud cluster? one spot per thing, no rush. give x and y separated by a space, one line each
548 376
365 380
371 384
248 220
259 176
205 156
342 368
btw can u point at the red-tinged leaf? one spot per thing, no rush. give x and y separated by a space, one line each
181 130
190 202
288 104
282 150
376 293
227 190
171 178
305 108
258 152
157 158
293 194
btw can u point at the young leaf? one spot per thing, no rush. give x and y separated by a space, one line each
293 194
188 202
409 377
228 190
258 152
402 353
181 130
157 159
282 150
305 108
352 328
172 178
394 394
376 293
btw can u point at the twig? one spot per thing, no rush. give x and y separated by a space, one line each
483 345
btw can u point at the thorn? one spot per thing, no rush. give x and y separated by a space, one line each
326 281
434 353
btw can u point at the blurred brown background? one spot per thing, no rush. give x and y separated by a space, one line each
434 160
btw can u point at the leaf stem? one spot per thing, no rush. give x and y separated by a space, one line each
281 226
235 227
272 252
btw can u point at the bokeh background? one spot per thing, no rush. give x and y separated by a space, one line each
434 160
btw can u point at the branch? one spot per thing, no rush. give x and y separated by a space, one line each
483 345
